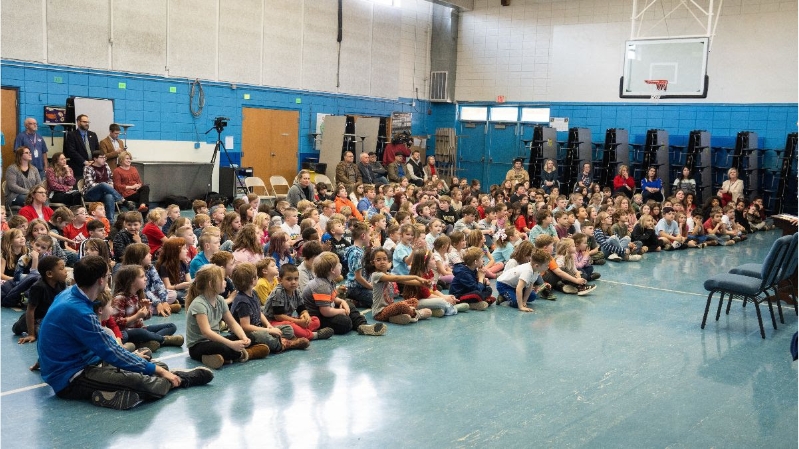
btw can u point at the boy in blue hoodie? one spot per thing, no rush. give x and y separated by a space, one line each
469 284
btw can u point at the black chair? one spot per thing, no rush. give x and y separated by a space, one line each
750 288
786 267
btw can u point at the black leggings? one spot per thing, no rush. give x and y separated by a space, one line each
341 324
142 196
211 347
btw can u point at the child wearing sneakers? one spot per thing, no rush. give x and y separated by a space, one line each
613 247
246 309
205 309
321 300
668 231
133 307
582 259
573 282
469 284
517 285
285 307
383 306
597 256
427 295
359 290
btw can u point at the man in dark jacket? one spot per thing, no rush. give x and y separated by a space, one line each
79 146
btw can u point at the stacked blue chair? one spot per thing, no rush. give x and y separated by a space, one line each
752 289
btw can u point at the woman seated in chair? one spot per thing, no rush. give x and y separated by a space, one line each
35 205
302 189
61 181
652 186
21 177
623 182
732 189
128 183
97 184
549 176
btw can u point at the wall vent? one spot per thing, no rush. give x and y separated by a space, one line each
438 87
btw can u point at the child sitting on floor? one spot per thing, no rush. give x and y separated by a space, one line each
246 310
205 309
469 283
383 306
321 300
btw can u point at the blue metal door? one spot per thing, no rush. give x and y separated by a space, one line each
472 151
503 146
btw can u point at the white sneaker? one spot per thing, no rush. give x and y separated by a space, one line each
614 256
676 245
634 258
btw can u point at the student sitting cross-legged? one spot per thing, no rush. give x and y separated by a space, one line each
72 343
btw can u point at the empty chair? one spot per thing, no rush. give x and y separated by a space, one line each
750 288
256 185
324 179
279 181
786 266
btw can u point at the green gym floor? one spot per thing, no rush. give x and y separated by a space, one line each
627 366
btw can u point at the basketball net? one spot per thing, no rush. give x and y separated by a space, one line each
660 87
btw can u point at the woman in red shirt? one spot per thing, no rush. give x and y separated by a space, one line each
35 206
623 182
128 182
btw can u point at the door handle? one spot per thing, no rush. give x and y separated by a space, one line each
482 159
273 154
491 160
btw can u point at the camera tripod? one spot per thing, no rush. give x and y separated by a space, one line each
219 125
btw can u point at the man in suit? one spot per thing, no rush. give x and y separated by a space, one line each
112 145
79 145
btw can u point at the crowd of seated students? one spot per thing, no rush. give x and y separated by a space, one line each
255 280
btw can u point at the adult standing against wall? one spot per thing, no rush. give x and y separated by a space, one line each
732 189
400 144
623 182
415 168
35 142
517 174
129 184
302 189
347 172
21 177
112 146
79 146
72 345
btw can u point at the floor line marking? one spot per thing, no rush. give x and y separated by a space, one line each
23 389
33 387
651 288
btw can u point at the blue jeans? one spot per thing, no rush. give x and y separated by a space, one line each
510 293
153 332
362 297
105 193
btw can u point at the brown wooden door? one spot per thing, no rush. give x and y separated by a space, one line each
270 142
9 122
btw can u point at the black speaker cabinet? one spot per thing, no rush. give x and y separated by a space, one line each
227 182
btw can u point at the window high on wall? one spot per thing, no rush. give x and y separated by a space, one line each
474 114
535 115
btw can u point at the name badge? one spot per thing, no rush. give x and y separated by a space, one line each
35 153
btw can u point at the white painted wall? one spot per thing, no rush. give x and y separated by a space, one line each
279 43
572 50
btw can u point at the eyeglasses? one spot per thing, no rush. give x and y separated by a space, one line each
40 192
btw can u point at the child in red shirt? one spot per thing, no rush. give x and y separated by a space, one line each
76 231
152 230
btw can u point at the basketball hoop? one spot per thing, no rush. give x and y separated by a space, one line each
660 84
